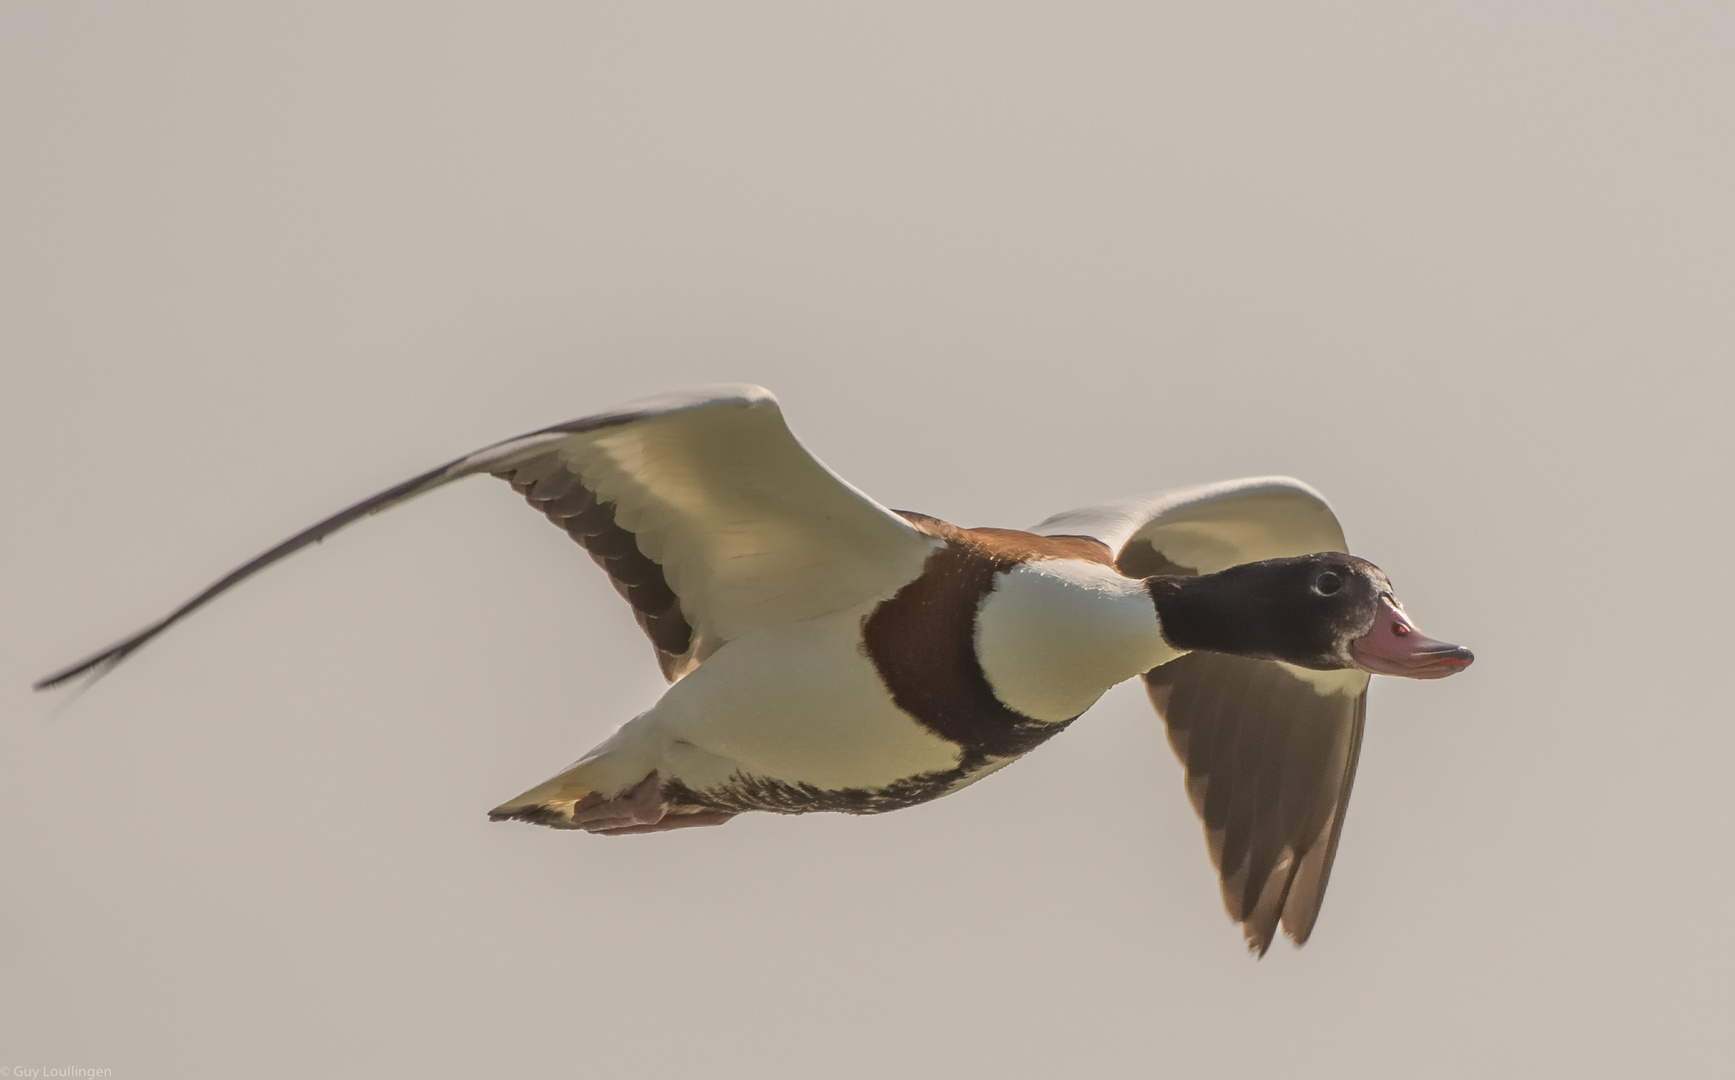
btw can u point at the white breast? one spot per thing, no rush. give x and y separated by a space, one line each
1055 634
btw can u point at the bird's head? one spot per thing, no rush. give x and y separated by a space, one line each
1324 611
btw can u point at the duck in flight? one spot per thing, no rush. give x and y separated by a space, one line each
826 653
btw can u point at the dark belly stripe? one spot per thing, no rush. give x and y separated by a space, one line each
744 792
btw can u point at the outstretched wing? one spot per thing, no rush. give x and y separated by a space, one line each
1270 749
704 510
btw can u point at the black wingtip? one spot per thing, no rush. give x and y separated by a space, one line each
95 667
1257 945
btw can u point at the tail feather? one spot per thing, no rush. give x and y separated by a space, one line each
551 803
639 809
618 787
615 766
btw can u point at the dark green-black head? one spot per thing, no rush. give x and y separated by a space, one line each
1325 611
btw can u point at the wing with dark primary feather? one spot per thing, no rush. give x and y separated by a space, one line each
703 509
1269 749
1269 766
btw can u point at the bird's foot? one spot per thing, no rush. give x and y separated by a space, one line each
639 809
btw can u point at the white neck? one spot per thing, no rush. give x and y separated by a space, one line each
1055 634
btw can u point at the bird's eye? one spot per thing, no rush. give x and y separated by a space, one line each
1327 583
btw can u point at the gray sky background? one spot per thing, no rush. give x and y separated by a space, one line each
1467 268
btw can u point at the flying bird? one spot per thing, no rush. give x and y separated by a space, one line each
829 654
